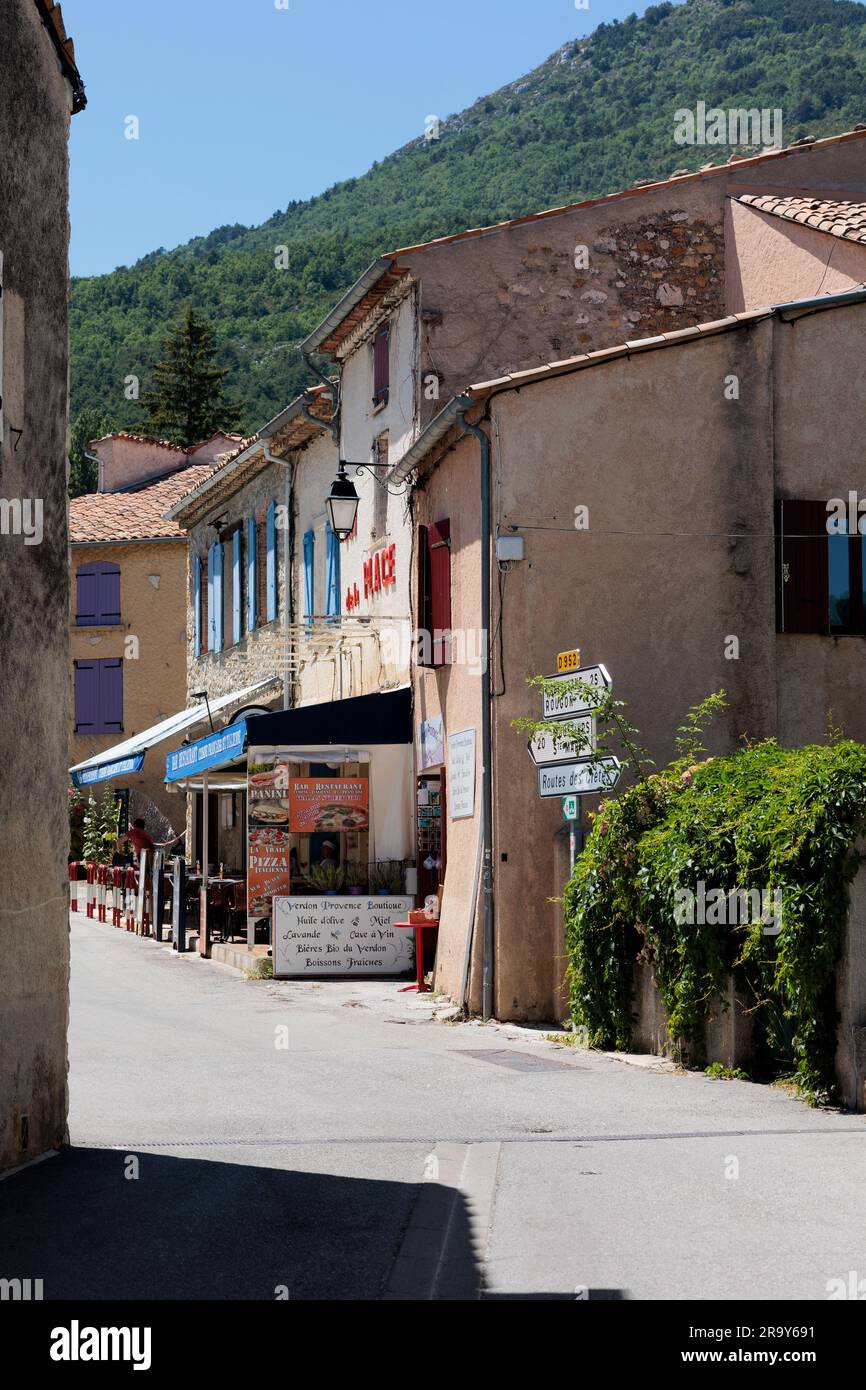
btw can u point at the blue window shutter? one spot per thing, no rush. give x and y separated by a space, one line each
111 696
252 578
219 633
86 697
236 586
196 602
87 595
309 552
272 563
211 606
332 572
108 602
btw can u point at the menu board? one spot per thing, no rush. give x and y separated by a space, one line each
268 870
319 936
461 774
328 803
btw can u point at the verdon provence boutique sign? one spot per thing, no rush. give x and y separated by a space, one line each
318 936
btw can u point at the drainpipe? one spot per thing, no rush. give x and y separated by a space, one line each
486 741
94 458
284 463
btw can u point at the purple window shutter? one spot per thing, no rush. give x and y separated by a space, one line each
109 594
86 697
87 595
111 696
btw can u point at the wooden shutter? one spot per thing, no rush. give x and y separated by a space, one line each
251 575
236 586
439 546
309 575
217 626
803 582
196 603
332 572
381 364
205 605
422 598
86 595
111 696
86 697
108 602
262 568
272 562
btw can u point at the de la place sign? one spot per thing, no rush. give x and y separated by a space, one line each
380 572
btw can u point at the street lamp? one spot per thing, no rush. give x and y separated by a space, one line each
202 695
342 504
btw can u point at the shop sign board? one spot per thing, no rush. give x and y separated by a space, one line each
324 936
328 804
461 774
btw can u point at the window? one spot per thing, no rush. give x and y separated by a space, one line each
380 489
97 595
252 582
381 364
271 562
434 594
99 696
215 597
819 573
237 586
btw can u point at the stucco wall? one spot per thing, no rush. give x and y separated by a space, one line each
678 561
35 104
153 613
362 421
770 260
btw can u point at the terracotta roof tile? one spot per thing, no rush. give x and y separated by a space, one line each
52 18
136 515
835 216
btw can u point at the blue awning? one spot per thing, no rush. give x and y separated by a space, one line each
216 750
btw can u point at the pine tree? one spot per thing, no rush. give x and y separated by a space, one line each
187 403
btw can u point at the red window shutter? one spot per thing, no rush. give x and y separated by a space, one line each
422 597
381 364
439 547
803 581
204 610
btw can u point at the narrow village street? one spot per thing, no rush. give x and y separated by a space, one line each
387 1152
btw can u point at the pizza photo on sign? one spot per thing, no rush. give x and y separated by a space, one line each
330 803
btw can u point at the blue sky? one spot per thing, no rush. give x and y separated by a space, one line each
243 107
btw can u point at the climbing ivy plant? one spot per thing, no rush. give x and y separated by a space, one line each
784 821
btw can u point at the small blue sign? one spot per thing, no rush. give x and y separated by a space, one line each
106 771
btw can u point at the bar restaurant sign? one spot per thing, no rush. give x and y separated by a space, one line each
318 936
328 803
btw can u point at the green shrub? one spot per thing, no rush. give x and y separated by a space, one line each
782 819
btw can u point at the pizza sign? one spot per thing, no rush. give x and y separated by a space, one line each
329 803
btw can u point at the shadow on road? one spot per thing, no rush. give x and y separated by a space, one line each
193 1229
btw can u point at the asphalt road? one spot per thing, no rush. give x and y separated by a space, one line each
235 1139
